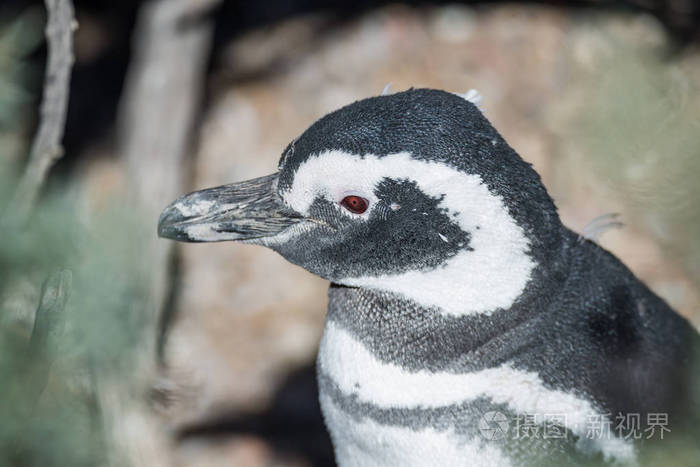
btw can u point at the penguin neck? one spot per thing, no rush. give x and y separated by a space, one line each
400 331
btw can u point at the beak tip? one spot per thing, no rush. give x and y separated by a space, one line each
162 230
167 224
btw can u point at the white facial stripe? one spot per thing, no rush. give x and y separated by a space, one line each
491 276
368 443
357 372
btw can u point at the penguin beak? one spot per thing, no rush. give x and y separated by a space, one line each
245 211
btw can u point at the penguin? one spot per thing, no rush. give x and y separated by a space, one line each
466 325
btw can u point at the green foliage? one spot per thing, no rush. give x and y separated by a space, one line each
105 318
50 406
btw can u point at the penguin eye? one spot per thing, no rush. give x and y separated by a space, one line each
355 204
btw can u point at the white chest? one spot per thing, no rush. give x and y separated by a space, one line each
365 443
360 440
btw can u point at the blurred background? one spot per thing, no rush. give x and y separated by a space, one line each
202 354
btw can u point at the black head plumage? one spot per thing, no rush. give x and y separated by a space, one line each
438 126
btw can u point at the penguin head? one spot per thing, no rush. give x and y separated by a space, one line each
413 193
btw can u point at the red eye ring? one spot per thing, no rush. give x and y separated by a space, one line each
355 204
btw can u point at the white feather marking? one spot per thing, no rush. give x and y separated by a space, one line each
601 224
194 209
474 97
367 443
357 372
491 276
385 91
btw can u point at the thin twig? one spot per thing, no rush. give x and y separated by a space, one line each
46 147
